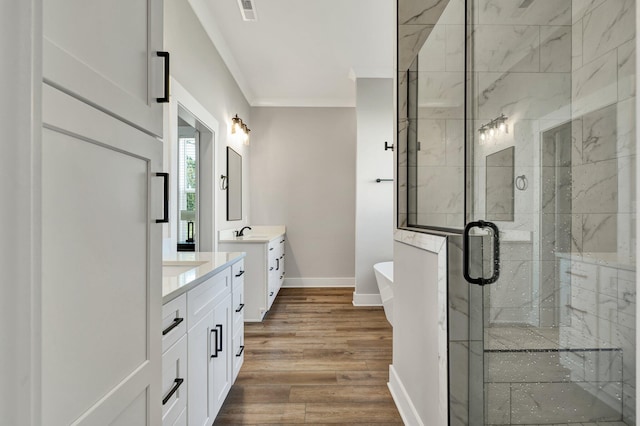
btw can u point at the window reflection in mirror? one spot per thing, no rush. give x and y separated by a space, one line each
234 187
188 176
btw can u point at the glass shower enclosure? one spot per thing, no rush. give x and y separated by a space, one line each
516 122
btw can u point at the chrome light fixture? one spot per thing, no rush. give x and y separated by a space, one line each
489 130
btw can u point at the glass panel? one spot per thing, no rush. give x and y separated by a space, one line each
431 116
554 81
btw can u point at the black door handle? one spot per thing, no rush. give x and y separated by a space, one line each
215 346
165 56
496 253
165 209
219 327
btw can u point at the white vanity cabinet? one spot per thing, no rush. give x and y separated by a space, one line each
202 332
265 272
237 304
209 346
106 53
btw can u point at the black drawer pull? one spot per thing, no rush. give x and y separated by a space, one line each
282 242
278 264
174 389
271 248
271 268
215 346
270 294
176 322
241 350
239 274
240 307
219 326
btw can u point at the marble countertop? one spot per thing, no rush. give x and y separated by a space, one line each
183 271
612 260
257 234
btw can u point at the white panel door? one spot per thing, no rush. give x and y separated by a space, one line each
101 268
201 343
104 52
223 362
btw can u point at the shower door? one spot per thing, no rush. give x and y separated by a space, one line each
550 238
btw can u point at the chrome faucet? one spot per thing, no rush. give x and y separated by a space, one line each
240 233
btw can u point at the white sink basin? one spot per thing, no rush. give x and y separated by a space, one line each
253 237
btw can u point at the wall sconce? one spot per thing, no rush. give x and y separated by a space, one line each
494 126
237 125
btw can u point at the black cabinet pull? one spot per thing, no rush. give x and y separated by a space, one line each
240 307
241 350
219 327
271 268
239 274
165 209
215 346
282 242
174 324
496 253
270 294
277 264
174 389
270 248
165 56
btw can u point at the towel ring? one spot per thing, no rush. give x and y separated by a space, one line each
522 183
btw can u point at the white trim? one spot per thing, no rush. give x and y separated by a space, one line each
400 396
319 282
360 299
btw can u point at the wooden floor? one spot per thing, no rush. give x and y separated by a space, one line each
315 359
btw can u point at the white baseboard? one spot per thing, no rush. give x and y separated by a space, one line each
360 299
400 396
319 282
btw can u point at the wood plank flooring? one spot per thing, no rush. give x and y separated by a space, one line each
315 359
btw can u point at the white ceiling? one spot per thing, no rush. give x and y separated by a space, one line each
302 52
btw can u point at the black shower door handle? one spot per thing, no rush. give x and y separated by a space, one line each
496 253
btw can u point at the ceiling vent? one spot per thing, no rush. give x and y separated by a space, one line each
248 10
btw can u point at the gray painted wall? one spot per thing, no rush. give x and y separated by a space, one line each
197 65
374 202
303 176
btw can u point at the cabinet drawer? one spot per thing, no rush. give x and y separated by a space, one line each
237 303
238 352
202 298
237 273
174 376
181 420
174 325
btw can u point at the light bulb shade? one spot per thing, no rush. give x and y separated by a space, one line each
236 123
503 126
492 131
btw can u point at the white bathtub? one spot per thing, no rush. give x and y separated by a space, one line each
384 277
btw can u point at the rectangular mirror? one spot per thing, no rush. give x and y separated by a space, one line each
234 185
499 190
